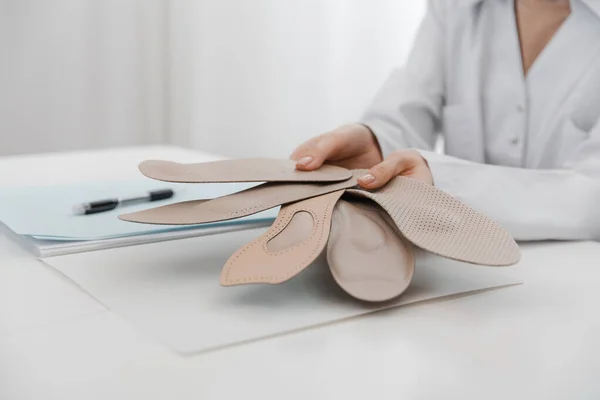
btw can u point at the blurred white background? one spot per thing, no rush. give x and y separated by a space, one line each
234 77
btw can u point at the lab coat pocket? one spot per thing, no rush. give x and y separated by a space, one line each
461 136
568 139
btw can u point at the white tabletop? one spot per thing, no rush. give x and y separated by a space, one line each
538 340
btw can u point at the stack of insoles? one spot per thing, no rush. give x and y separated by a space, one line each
368 235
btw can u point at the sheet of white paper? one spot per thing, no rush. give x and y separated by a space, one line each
46 212
32 294
171 291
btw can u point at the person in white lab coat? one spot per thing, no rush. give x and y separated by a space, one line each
513 87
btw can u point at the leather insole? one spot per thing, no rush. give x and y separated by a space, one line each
296 238
439 223
240 170
236 205
367 256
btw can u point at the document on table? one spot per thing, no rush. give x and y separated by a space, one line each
171 291
42 219
46 212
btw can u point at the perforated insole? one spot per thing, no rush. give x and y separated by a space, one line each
240 170
366 254
236 205
437 222
425 215
293 242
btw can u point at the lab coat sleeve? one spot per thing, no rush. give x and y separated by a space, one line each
560 204
405 113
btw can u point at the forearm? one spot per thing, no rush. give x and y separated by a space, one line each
531 204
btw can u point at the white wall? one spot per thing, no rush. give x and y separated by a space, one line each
235 77
80 73
270 74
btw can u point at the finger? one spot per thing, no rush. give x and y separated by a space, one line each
304 156
385 171
302 150
316 151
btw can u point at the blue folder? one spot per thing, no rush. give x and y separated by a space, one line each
46 212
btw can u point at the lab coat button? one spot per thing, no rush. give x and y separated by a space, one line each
515 140
520 108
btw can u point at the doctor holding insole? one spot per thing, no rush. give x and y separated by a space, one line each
513 87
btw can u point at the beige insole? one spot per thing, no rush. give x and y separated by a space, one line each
366 254
236 205
437 222
240 170
296 238
369 248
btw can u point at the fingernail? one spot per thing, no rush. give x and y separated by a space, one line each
368 178
304 161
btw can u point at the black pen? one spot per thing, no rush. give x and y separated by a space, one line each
110 204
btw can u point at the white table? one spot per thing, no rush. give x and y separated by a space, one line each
539 340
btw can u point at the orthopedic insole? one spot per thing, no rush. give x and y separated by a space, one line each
294 241
368 235
240 170
367 255
235 205
435 221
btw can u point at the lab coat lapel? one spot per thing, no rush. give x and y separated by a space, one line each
557 70
594 5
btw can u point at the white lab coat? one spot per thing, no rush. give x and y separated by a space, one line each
523 150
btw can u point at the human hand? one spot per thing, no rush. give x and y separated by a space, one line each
349 146
355 147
